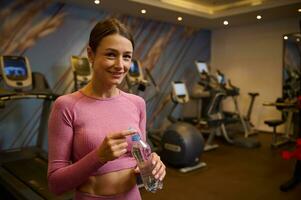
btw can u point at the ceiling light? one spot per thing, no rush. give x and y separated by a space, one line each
285 37
258 17
298 39
143 11
226 22
299 10
97 1
180 18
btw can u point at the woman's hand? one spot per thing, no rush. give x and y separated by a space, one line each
114 145
159 170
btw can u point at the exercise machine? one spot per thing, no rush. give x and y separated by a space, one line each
181 143
233 117
210 108
82 72
250 125
209 118
233 92
23 171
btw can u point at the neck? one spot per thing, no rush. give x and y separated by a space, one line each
101 92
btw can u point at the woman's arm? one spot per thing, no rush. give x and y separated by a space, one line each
62 174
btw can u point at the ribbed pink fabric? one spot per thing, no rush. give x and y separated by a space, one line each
77 126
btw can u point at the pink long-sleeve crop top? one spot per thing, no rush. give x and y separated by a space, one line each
77 126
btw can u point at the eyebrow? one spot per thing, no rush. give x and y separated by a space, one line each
114 50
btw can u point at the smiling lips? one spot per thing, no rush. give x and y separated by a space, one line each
116 74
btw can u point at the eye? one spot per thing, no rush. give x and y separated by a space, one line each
127 57
110 55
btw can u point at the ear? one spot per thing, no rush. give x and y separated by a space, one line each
90 54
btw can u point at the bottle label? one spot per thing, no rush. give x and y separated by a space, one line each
137 155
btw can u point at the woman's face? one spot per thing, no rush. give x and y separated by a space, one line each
112 59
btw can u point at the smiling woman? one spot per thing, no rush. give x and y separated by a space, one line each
89 144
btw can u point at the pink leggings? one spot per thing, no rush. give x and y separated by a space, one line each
133 194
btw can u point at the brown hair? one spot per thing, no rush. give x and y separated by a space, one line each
108 27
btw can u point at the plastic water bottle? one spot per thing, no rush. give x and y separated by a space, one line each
142 153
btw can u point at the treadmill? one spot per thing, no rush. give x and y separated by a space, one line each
23 171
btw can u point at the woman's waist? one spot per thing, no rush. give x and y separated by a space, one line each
116 165
111 183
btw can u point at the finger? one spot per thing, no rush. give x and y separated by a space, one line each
162 175
158 169
118 147
160 172
156 162
155 158
122 134
137 170
112 142
119 153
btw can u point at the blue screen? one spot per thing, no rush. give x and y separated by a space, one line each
134 69
15 69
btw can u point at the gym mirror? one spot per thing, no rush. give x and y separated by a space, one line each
291 65
292 72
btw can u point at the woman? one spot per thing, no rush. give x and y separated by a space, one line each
89 135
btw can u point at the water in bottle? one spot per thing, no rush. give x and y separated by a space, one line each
142 153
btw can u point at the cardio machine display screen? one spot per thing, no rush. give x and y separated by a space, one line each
202 67
15 68
82 66
180 89
134 69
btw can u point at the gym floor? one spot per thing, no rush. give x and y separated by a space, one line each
233 173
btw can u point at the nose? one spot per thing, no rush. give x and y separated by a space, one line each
119 64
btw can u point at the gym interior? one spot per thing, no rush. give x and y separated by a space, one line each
221 82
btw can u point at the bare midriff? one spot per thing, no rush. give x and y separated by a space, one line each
110 184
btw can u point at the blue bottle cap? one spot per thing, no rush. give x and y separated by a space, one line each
136 137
